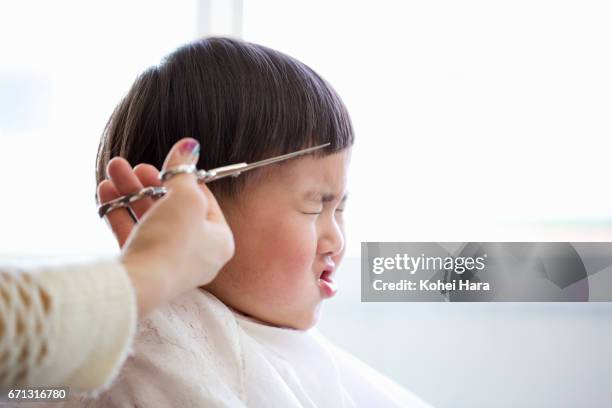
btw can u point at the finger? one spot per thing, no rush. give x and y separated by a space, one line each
148 176
126 182
185 151
214 211
120 220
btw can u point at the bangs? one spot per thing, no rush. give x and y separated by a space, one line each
273 103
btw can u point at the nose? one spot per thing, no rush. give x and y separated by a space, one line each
331 237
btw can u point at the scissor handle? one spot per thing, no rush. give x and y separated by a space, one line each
203 176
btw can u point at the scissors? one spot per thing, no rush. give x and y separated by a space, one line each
203 176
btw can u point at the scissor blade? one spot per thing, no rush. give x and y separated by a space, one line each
283 157
237 169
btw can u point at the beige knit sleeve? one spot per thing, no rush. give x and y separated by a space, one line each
65 326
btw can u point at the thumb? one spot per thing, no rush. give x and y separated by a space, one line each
184 152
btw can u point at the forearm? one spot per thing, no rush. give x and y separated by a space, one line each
70 325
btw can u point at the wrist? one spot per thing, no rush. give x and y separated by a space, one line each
148 279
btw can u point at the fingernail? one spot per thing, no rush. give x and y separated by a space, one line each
190 150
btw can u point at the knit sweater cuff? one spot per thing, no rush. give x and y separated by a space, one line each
93 323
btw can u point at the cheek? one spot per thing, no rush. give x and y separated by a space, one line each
291 246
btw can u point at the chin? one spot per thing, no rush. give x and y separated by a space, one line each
304 325
309 320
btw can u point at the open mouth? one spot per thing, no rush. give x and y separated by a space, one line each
327 284
326 276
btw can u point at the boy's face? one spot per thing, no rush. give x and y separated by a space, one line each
288 229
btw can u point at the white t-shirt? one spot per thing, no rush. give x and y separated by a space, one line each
197 352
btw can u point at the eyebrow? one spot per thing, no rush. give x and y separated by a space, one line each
323 197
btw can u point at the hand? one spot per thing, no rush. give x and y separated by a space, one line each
180 242
123 181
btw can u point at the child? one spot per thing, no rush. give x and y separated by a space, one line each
244 339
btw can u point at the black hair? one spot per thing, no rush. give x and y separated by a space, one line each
243 102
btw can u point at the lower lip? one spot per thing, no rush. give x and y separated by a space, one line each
327 286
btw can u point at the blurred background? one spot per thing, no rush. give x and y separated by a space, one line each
475 121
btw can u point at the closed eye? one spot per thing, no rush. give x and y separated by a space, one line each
325 199
320 212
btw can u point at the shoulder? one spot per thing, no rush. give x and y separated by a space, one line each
185 351
193 319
